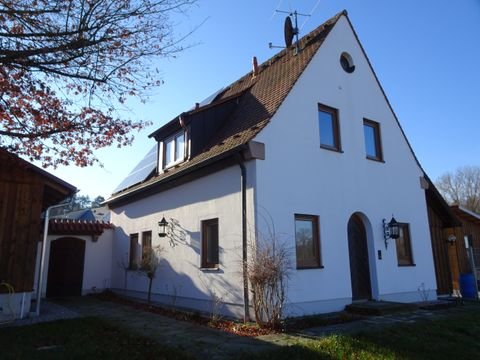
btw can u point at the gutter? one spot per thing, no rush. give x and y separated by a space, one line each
243 178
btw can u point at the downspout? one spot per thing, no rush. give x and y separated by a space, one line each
243 177
42 255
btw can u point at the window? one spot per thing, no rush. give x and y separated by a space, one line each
307 241
174 149
404 247
346 62
329 129
373 147
133 261
146 244
210 243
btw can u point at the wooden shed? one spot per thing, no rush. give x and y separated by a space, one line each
25 192
467 232
441 220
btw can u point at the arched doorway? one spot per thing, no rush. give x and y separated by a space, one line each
65 267
359 262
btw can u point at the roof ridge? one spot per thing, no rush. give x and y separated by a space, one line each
279 55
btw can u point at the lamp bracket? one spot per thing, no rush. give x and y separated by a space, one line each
386 232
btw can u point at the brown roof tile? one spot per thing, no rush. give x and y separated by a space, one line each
259 99
77 227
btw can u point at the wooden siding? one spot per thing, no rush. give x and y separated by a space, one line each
25 190
470 227
20 208
440 252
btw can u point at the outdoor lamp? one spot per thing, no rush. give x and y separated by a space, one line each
451 239
162 226
391 230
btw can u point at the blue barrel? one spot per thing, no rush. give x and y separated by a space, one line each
467 286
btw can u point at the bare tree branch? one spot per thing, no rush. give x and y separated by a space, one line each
462 187
67 65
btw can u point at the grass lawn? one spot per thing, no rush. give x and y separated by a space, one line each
85 338
455 338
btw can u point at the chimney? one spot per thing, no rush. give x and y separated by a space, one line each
197 105
255 67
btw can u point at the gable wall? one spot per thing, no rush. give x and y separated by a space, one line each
300 177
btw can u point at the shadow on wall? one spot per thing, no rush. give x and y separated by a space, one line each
209 291
190 194
178 235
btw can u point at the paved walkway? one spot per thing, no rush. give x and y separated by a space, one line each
206 343
49 312
369 323
200 341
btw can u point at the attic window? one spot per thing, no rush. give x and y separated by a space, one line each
174 149
347 63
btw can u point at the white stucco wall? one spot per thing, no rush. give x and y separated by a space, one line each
300 177
180 280
97 266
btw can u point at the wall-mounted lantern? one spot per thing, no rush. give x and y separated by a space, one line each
162 227
391 230
451 239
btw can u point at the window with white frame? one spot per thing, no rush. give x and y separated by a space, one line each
174 149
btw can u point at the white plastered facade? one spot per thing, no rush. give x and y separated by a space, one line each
297 176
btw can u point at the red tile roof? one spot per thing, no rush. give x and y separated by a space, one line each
259 98
77 227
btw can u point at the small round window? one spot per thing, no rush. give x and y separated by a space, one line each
347 63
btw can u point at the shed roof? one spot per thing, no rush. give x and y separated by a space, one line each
55 189
466 215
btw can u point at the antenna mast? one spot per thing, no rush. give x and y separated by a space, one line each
290 30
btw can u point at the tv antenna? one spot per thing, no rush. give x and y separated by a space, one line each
290 30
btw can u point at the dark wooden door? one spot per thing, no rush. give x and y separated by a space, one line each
65 267
359 265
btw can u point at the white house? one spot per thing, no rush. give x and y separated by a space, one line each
306 144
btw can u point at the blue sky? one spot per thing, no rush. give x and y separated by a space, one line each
426 55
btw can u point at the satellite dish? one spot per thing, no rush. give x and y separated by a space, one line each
289 31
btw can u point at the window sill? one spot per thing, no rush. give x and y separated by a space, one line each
331 148
172 165
375 159
210 269
310 267
406 265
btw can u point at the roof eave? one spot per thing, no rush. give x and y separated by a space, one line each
137 191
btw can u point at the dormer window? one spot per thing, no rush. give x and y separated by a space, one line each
174 149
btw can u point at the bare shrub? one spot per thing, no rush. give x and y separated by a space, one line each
268 271
149 265
124 263
217 304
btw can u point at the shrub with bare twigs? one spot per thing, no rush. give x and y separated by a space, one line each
268 272
149 265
